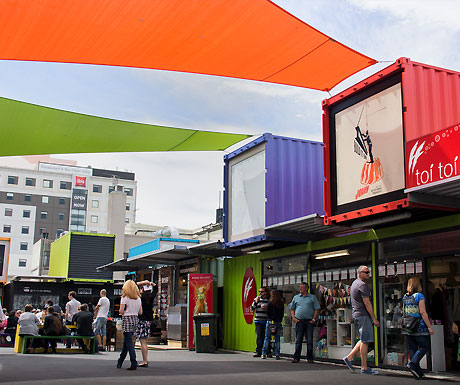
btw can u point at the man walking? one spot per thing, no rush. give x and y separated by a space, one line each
364 317
100 314
260 304
71 308
304 310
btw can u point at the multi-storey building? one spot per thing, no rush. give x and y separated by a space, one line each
51 198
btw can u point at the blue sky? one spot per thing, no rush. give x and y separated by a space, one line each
182 189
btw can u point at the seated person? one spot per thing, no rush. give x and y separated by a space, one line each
84 322
57 308
28 327
12 323
52 327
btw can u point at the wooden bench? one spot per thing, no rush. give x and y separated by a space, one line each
91 339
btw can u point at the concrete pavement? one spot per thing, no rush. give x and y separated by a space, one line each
178 367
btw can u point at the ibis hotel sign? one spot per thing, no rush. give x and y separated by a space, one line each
433 158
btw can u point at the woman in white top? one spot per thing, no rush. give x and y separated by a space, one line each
130 309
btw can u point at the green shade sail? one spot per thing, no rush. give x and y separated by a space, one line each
29 129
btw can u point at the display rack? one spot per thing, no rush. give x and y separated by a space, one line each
340 334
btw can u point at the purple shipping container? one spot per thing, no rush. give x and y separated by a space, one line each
271 180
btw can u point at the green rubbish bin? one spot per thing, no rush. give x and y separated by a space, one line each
205 332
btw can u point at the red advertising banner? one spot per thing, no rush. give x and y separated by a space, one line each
199 300
433 158
248 294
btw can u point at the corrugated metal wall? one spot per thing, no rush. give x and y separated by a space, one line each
87 252
294 179
431 96
238 335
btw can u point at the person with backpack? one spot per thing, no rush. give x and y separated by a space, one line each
416 325
275 313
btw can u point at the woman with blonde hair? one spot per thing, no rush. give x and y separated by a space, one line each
130 309
416 325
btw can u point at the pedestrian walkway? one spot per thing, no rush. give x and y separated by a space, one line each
178 367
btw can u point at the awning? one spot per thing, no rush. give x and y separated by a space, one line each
214 249
168 255
307 228
28 129
441 194
284 234
248 39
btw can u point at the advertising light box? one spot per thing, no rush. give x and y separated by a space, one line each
367 148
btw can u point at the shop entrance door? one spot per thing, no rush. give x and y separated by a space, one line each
443 297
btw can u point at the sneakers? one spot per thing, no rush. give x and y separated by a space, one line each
348 363
257 355
264 356
369 371
414 370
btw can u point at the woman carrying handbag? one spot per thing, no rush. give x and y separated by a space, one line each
130 309
416 325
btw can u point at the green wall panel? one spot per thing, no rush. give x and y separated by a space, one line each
238 335
59 257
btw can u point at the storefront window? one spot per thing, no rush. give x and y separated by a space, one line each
285 275
392 277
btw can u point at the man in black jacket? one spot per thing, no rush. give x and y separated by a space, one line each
84 322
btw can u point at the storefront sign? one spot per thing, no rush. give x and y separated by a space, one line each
80 181
79 199
200 296
369 147
433 158
248 293
117 292
85 291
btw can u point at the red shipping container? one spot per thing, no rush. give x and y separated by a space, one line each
366 129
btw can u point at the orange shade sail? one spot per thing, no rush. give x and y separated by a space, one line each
248 39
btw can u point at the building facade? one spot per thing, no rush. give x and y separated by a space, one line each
50 199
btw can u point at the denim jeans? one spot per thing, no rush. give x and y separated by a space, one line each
303 327
69 342
418 346
260 336
268 337
128 347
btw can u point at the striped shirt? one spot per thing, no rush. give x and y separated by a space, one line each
261 310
